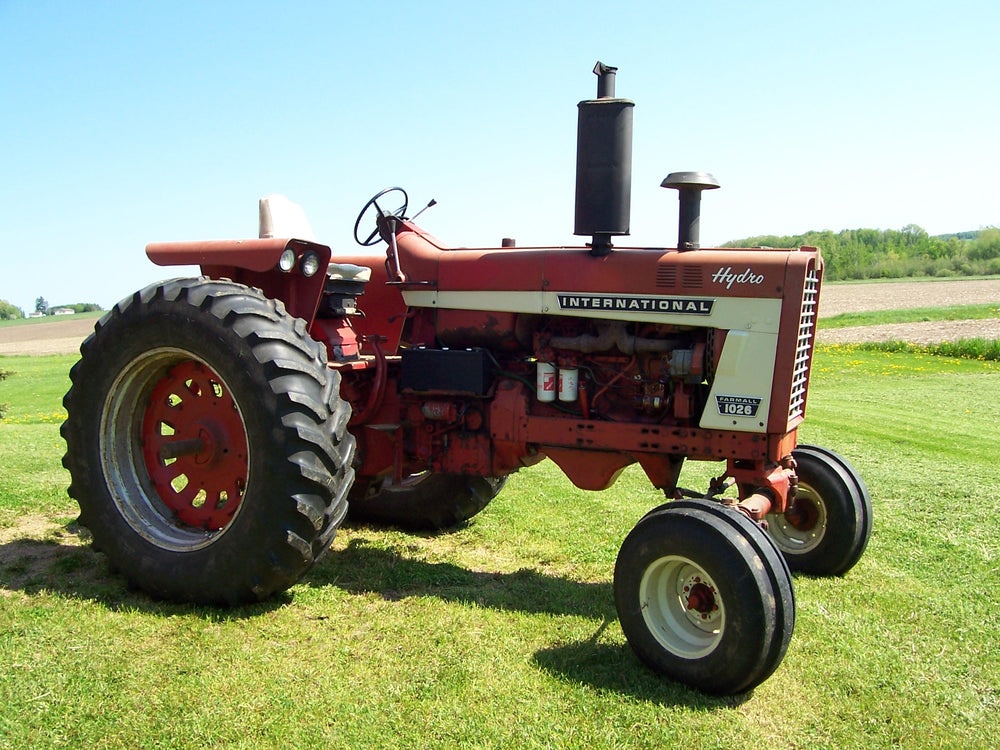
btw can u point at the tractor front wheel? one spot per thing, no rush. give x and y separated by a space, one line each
207 442
704 597
826 529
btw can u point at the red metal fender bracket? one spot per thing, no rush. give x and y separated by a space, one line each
773 492
250 254
254 262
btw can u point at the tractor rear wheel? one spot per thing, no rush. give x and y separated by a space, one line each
207 442
826 529
424 501
704 597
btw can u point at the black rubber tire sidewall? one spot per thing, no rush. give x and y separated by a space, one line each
300 465
747 652
863 510
775 568
437 501
848 514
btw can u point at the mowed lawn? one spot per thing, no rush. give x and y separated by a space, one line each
503 634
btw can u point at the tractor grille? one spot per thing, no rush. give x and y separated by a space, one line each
804 346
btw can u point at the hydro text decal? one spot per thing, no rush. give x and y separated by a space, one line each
636 304
727 277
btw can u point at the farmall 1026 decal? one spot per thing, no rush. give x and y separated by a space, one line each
738 406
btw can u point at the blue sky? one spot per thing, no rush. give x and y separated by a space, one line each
126 123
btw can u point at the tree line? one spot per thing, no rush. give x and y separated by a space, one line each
894 254
12 312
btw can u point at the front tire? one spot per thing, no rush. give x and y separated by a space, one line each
207 442
827 528
704 597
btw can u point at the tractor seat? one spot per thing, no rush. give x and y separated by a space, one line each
348 273
281 218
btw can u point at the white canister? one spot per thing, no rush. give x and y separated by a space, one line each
546 382
569 382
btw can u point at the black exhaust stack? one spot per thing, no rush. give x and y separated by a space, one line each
603 164
689 186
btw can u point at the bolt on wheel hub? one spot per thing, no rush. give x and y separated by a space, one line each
702 607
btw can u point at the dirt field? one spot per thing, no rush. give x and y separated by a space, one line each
57 337
896 295
65 336
899 295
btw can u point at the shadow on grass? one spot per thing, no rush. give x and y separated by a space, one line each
63 563
613 668
365 568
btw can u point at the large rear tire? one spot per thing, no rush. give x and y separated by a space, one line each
425 501
704 597
207 442
826 530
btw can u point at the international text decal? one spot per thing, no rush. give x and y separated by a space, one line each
681 305
738 406
728 277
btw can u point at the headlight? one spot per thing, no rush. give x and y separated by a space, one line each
287 260
310 264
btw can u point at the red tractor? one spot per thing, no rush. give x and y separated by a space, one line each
220 428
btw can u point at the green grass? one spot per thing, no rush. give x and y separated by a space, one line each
32 477
503 634
911 315
981 349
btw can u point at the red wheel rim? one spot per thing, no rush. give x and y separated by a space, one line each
803 515
194 444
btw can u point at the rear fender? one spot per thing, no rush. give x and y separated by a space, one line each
254 262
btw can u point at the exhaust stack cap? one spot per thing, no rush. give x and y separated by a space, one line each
605 80
689 186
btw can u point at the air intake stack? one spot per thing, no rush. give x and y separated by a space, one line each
603 164
689 187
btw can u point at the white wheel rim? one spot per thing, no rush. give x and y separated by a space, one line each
796 540
682 607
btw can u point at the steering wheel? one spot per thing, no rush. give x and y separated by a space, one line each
400 212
